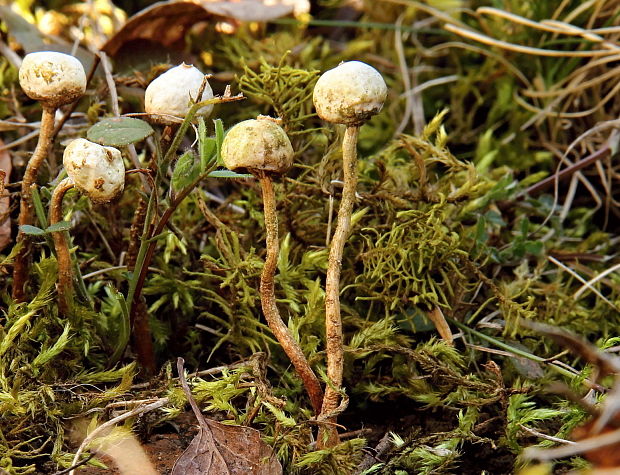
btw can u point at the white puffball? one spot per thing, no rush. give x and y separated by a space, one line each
97 171
170 93
52 78
350 94
257 144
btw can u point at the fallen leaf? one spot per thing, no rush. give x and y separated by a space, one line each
220 449
167 23
5 203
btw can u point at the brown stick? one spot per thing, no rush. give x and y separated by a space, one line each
268 299
328 435
65 278
26 211
568 171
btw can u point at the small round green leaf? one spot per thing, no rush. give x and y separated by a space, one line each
228 174
119 131
59 226
31 230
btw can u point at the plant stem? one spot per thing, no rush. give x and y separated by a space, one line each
328 436
26 209
65 279
268 299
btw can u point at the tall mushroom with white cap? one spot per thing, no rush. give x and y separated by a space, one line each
349 94
54 79
99 173
262 148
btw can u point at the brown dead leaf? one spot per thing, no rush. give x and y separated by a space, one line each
5 220
220 449
167 23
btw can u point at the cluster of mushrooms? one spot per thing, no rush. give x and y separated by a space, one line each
349 95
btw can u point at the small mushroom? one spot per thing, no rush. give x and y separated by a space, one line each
99 173
261 147
54 79
349 94
170 95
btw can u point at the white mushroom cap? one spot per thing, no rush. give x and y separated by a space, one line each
97 171
257 145
52 78
350 94
170 93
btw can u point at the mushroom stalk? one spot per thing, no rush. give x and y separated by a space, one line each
26 208
268 298
65 277
333 320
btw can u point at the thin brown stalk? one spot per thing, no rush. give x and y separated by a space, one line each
65 279
328 436
268 299
26 211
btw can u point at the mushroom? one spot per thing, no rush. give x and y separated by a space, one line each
169 96
349 94
54 79
99 173
261 147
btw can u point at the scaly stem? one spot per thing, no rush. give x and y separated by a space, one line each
268 299
328 436
26 210
65 278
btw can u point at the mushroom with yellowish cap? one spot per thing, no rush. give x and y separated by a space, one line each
349 94
261 147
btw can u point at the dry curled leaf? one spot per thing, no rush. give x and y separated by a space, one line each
167 23
220 449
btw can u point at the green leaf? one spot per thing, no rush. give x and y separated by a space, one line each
24 32
228 174
59 226
219 138
207 146
31 230
38 207
118 131
185 171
